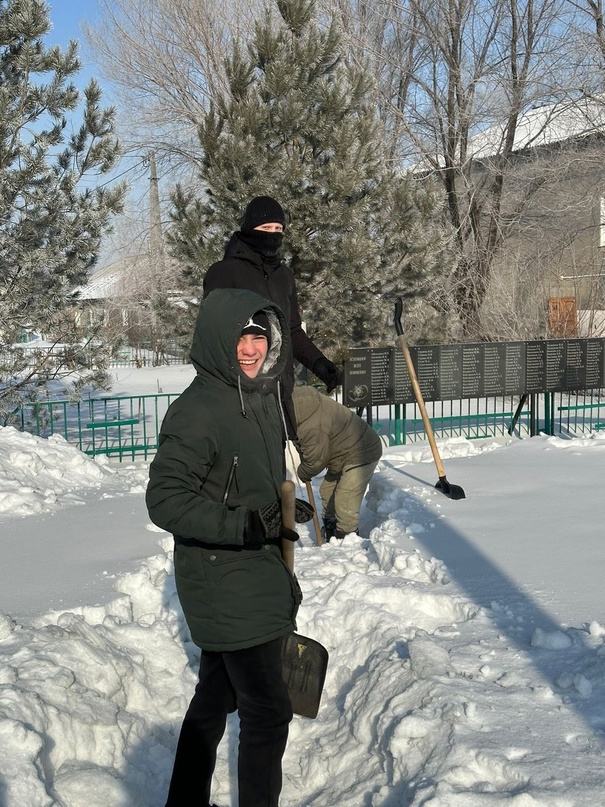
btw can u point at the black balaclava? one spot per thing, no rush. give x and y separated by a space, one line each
263 210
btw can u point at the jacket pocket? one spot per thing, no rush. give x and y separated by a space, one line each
231 477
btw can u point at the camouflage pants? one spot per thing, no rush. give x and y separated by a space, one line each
342 494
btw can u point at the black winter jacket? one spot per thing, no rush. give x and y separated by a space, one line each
243 268
221 455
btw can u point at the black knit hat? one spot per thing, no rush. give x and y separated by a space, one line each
258 324
263 210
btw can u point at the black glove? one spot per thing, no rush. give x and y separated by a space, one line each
254 534
327 372
264 525
303 512
289 535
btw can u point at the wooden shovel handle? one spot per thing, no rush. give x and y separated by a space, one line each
288 509
416 386
420 401
311 497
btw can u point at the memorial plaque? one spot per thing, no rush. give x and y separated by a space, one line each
494 369
514 378
555 365
575 365
357 383
472 375
403 384
595 371
375 376
535 366
382 373
369 377
426 364
450 372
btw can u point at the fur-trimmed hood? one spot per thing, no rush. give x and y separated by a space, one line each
220 321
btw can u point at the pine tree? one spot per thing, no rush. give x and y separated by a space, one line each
299 124
51 218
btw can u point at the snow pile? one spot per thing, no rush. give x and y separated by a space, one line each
91 700
38 474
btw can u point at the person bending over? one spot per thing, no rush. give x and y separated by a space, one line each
333 437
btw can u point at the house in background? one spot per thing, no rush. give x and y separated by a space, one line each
548 276
120 297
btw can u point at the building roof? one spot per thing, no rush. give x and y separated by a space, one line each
113 280
541 126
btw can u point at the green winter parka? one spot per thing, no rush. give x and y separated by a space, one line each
220 455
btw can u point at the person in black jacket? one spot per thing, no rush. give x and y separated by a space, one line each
253 261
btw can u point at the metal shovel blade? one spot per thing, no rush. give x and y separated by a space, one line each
304 665
449 490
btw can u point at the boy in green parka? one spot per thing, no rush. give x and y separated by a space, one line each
215 483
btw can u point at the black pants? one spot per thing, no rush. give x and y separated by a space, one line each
250 681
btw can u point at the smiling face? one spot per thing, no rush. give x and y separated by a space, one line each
251 353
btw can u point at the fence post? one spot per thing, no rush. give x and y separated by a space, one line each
549 413
399 427
533 415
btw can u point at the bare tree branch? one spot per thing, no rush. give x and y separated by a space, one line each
166 59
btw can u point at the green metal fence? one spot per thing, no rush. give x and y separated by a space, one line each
126 427
473 419
563 414
577 414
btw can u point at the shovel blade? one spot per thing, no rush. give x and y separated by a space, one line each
304 665
449 490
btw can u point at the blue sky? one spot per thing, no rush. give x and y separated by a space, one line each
67 17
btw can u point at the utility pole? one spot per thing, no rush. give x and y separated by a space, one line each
156 239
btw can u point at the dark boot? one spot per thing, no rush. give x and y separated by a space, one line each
340 534
329 529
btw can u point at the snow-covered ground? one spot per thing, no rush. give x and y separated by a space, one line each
466 638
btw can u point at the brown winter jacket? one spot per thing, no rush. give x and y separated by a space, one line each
331 435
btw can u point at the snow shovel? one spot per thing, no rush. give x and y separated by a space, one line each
304 661
452 491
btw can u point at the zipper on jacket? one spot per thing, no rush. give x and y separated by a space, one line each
230 479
